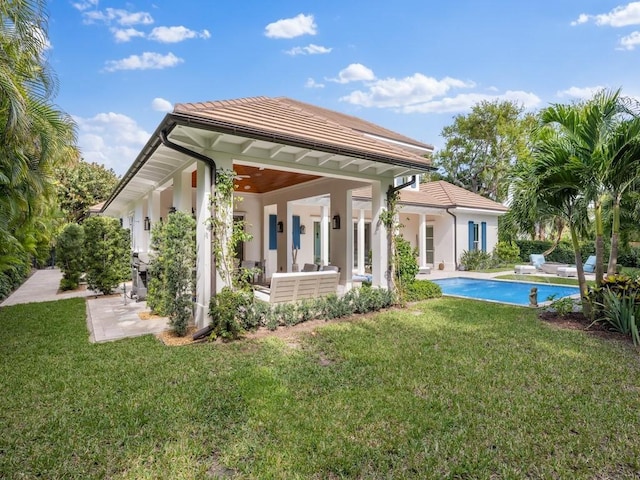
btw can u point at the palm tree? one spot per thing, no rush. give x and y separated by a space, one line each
34 135
591 128
549 184
623 150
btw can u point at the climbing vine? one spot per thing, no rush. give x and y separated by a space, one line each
389 218
226 235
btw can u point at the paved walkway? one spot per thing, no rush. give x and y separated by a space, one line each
108 317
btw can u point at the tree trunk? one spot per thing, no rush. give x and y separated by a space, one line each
599 244
559 228
582 282
615 238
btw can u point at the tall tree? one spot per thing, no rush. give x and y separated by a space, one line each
601 140
482 146
34 135
549 183
82 185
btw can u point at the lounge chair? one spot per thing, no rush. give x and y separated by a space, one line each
537 260
590 265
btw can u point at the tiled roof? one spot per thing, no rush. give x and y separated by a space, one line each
440 194
287 120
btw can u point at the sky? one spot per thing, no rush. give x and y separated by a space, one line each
407 65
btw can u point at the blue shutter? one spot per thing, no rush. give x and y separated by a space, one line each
483 232
273 230
471 233
296 231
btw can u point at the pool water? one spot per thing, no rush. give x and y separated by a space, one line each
502 291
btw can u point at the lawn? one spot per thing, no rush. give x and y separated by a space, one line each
446 388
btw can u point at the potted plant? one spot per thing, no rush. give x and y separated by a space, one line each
441 265
294 254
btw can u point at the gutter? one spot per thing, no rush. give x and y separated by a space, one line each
455 237
190 153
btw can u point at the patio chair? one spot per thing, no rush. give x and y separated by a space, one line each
590 265
330 268
537 260
310 267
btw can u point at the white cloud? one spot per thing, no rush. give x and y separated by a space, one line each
111 139
311 83
580 92
122 35
392 92
161 105
85 5
176 34
356 72
291 27
630 42
620 16
118 16
146 61
465 101
310 49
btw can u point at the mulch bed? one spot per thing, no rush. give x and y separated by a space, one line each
577 321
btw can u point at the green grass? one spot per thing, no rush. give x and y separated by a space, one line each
446 389
540 279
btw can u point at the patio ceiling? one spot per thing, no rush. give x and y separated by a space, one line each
273 142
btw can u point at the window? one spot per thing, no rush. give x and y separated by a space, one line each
367 243
400 180
477 236
430 245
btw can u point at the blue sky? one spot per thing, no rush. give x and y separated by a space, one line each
408 65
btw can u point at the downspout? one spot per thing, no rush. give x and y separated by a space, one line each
455 238
190 153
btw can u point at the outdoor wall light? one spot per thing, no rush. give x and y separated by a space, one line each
303 229
335 222
147 224
280 227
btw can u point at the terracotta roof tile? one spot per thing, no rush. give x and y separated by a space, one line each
283 117
441 194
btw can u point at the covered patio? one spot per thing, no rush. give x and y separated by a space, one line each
296 168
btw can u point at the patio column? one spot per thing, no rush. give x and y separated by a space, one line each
324 236
153 210
361 243
204 262
285 238
139 245
422 240
182 191
380 257
342 237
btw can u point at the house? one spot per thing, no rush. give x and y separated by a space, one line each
313 184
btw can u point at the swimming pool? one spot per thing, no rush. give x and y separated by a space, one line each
516 293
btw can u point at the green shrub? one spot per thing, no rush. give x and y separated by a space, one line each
225 308
476 260
179 259
406 260
506 252
107 253
70 256
616 303
421 290
621 313
562 306
158 299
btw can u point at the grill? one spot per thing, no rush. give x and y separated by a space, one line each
139 265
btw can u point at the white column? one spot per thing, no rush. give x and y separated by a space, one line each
361 242
380 257
203 246
422 240
324 236
182 191
139 244
285 239
342 238
153 206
